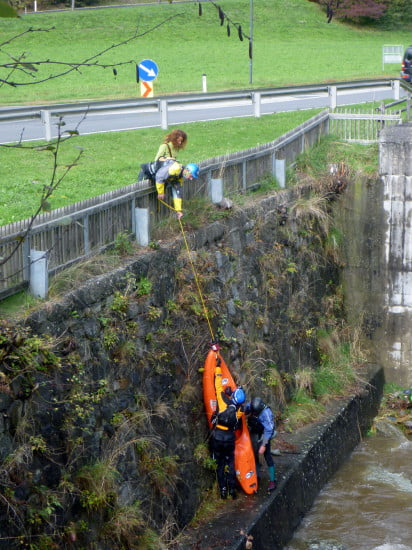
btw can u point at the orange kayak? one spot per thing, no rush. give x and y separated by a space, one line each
245 465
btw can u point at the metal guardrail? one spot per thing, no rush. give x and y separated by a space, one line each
13 113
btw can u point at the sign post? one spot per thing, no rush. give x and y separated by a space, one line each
147 71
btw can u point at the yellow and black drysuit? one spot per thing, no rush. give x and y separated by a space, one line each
170 174
226 421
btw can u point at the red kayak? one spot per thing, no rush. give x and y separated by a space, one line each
245 465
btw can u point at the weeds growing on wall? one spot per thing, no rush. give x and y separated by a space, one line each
336 375
315 163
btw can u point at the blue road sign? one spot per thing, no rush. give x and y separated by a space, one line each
148 70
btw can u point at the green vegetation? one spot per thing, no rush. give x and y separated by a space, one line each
314 163
293 43
337 375
111 161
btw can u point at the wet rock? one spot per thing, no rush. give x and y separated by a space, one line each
225 204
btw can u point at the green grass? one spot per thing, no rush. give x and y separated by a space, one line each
112 160
360 157
293 43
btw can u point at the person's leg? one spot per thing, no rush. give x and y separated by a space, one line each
231 473
271 468
254 437
219 455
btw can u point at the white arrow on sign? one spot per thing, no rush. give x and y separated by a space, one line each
148 70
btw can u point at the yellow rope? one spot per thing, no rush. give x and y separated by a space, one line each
194 271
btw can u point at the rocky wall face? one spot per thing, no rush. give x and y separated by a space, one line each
110 445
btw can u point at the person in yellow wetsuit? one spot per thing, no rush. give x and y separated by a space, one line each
172 174
226 421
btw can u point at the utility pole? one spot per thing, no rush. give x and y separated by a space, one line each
251 43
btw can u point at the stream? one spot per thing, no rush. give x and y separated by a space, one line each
367 505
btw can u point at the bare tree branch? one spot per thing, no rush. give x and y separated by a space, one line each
23 65
55 181
29 66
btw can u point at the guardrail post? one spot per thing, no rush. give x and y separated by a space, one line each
396 89
39 274
163 114
332 96
142 226
45 118
280 172
256 103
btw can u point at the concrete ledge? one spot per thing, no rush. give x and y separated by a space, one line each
324 446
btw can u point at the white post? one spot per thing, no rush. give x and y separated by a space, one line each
256 103
396 89
204 83
216 190
332 96
142 226
35 5
280 172
163 114
45 118
39 274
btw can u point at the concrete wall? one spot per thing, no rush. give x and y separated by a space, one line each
395 166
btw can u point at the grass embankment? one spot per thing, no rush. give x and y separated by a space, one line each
292 44
112 160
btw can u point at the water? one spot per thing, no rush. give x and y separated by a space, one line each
368 504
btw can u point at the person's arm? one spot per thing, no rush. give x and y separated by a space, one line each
268 423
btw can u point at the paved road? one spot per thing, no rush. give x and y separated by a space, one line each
133 119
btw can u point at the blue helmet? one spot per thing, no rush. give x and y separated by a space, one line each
238 396
193 169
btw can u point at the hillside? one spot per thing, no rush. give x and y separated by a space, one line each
292 44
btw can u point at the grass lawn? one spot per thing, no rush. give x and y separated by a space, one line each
292 44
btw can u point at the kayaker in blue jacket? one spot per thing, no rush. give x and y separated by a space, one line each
261 423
